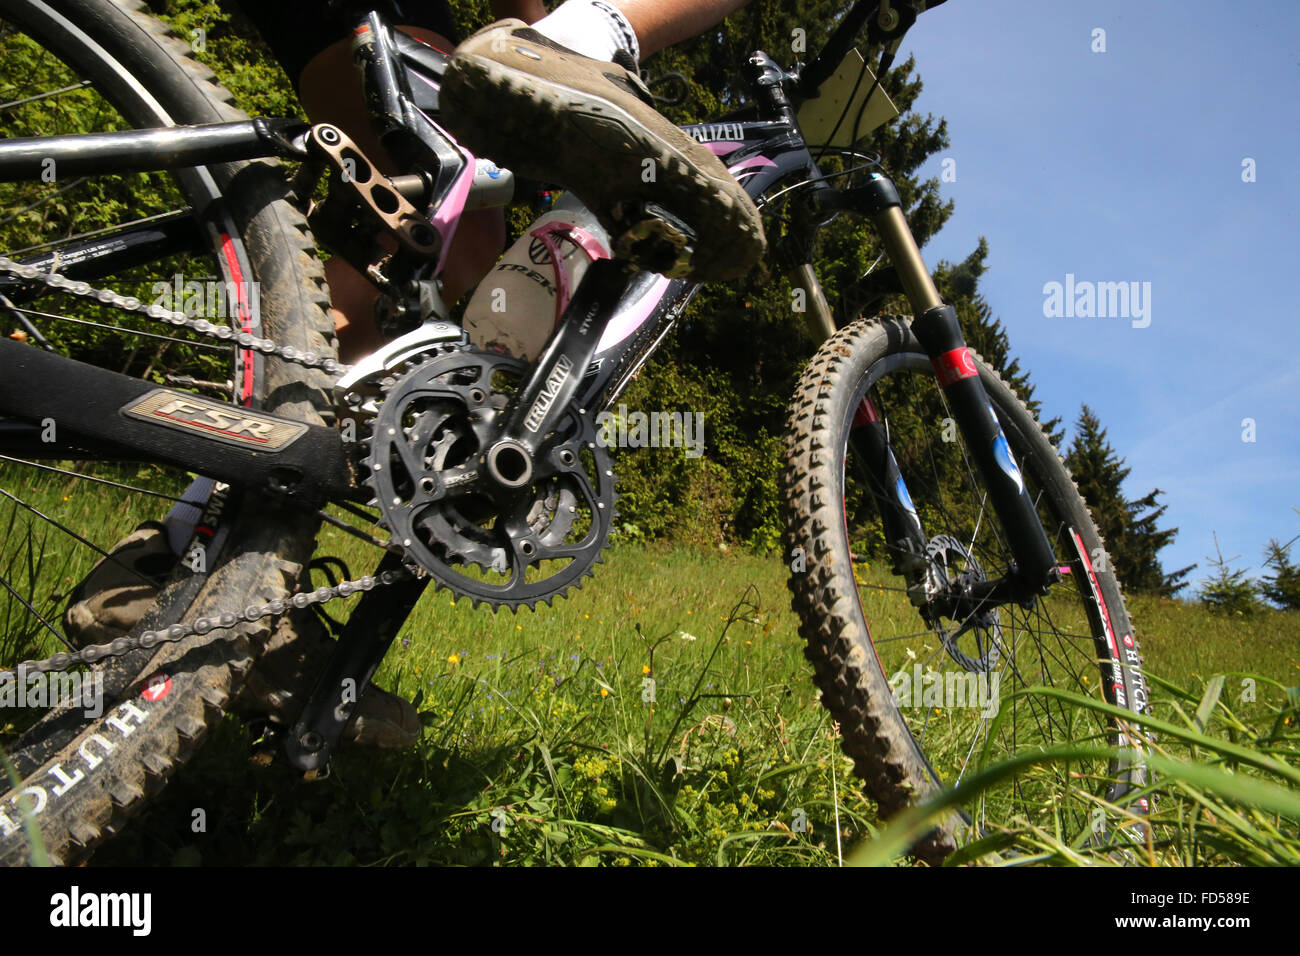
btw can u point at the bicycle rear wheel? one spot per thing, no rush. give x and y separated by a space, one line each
914 684
86 65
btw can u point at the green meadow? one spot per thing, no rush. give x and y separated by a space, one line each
664 714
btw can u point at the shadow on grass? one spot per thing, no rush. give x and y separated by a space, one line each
424 804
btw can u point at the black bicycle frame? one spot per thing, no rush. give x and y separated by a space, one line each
612 325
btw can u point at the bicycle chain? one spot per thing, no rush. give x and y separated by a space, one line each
254 612
129 303
178 632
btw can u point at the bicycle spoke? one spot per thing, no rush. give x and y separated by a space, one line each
42 96
49 197
80 538
193 343
36 614
103 481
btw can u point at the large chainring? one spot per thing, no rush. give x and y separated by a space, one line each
499 546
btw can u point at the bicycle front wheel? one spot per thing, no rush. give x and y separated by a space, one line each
924 687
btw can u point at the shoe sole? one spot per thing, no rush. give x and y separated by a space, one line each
729 235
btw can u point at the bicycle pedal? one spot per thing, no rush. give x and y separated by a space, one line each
656 241
266 741
261 758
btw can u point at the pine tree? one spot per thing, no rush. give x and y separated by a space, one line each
1133 540
1229 591
1144 542
1282 587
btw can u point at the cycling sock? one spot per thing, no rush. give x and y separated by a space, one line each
592 28
185 514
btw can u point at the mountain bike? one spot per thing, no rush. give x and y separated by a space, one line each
920 494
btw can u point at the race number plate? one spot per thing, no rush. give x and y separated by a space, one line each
818 117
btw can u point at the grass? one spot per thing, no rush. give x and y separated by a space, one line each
547 720
665 715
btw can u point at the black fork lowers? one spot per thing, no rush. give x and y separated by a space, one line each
939 332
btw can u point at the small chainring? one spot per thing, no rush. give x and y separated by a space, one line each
425 464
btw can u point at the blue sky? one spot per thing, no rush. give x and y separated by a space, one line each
1127 166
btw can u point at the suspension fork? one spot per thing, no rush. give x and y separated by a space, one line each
939 332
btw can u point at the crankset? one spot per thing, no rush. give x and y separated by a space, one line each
477 531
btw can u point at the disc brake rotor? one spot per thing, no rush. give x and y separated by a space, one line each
951 561
505 547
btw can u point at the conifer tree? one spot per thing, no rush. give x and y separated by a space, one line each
1228 590
1282 587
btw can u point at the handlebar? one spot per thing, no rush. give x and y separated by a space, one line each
884 22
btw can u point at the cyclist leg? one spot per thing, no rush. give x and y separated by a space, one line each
525 97
330 93
657 24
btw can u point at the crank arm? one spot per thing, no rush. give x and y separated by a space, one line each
558 374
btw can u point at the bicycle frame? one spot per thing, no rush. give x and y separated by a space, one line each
612 324
639 312
609 330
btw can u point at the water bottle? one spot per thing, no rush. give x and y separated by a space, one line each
518 303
